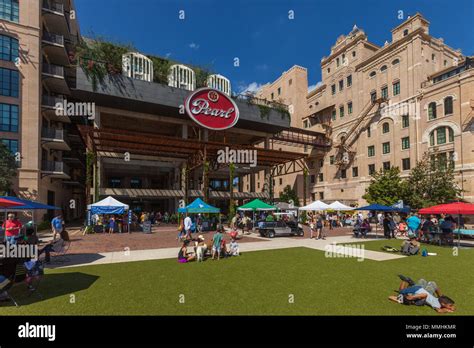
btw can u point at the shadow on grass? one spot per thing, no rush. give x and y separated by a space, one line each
51 286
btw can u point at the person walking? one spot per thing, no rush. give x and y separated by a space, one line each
57 225
187 226
319 228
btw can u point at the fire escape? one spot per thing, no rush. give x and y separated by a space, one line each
345 154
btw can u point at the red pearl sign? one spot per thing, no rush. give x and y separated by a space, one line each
212 109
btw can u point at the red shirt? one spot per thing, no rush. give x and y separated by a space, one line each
15 224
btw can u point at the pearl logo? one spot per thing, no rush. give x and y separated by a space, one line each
212 109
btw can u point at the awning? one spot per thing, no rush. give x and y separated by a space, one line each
108 205
28 205
315 206
458 208
338 206
256 204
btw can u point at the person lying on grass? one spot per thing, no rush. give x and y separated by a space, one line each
423 293
183 255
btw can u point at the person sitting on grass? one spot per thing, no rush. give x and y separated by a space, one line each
423 293
183 255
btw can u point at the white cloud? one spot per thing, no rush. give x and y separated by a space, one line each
310 88
168 55
252 88
193 45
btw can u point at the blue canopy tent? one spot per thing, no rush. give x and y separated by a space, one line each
199 206
378 207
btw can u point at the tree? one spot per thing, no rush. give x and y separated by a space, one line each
8 168
432 182
289 194
386 187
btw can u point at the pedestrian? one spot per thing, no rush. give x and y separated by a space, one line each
187 226
413 223
319 227
217 244
111 224
57 225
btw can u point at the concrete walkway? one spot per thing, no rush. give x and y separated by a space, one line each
332 246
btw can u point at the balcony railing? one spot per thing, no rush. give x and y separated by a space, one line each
52 101
53 38
52 69
53 6
54 166
52 133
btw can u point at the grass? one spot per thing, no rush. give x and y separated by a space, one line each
257 283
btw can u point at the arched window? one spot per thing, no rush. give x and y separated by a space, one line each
396 61
385 127
432 110
372 74
448 105
441 135
383 68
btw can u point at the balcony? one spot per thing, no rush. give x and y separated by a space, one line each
54 49
54 139
55 170
55 17
51 111
53 78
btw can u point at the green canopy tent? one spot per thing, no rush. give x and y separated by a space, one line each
256 205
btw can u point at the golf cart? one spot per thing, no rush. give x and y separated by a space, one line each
271 229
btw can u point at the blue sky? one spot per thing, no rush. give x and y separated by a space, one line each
260 33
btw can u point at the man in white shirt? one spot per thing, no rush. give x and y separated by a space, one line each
187 226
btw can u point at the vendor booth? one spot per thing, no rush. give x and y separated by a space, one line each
198 206
108 206
256 205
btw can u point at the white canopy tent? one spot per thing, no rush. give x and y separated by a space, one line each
315 206
338 206
108 205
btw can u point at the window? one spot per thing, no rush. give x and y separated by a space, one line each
386 165
448 105
341 111
371 169
386 148
343 174
333 89
290 82
338 62
355 172
272 96
353 53
11 144
333 115
385 127
373 96
371 151
320 177
396 61
279 90
331 159
405 164
9 10
8 48
280 181
313 179
321 195
9 85
115 183
321 163
405 143
136 183
383 68
445 63
349 81
369 132
372 74
405 32
432 111
396 88
8 118
433 57
341 85
305 123
329 70
349 108
384 92
405 121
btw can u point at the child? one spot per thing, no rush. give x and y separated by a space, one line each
234 247
111 225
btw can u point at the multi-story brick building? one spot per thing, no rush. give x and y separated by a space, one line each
37 38
385 106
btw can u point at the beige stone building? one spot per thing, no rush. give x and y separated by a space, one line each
36 44
384 106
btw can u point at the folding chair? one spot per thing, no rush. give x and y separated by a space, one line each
59 254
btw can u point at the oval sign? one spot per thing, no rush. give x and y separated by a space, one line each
212 109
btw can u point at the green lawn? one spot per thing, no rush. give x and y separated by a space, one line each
256 283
